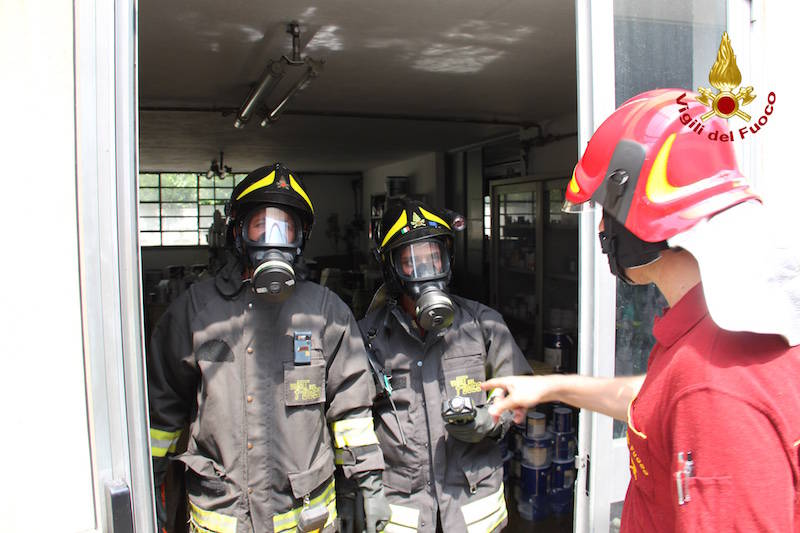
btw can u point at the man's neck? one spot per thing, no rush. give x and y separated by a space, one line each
675 274
408 306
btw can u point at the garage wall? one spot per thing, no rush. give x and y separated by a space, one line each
426 176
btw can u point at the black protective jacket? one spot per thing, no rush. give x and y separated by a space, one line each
264 430
434 473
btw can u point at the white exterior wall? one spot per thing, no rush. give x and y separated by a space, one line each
45 446
775 169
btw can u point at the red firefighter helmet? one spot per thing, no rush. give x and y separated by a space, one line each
654 168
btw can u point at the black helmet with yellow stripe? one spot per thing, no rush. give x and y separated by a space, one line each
273 185
407 221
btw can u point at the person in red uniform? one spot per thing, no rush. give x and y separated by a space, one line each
714 425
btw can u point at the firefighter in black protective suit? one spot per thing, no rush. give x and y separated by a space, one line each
430 351
260 363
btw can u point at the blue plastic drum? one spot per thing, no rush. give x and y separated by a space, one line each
562 480
517 436
538 451
564 448
560 502
562 419
535 482
536 423
562 475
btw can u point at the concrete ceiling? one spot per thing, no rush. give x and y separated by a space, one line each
400 78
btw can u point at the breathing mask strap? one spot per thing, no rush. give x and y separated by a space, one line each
626 250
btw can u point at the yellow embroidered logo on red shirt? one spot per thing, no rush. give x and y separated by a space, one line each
636 462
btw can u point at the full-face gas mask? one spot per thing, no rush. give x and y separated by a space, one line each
423 271
272 238
270 217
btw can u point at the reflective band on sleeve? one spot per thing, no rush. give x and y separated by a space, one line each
288 521
211 521
403 520
344 456
354 432
163 442
484 515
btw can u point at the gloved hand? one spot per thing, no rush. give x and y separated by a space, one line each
376 506
345 508
479 428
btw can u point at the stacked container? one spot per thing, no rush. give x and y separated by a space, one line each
563 467
540 464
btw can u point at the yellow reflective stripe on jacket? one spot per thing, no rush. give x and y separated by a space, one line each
211 521
354 432
403 519
288 521
163 442
484 515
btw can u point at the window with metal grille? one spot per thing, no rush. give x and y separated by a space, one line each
177 208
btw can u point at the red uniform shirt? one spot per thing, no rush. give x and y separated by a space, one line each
733 400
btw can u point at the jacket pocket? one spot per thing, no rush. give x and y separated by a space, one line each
204 476
307 481
213 500
463 376
398 481
304 384
476 463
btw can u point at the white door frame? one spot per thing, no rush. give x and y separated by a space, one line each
601 457
111 305
597 289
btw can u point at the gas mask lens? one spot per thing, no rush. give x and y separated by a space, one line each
272 236
420 261
272 226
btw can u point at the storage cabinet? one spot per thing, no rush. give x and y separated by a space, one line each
534 267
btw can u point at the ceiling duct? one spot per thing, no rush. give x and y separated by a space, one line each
272 76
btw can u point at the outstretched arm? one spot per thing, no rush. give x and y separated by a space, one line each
609 396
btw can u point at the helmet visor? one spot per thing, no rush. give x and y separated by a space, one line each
272 226
583 207
421 260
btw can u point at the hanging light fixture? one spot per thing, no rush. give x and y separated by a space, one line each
272 76
218 169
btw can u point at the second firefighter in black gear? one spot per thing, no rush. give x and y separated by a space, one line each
431 350
270 375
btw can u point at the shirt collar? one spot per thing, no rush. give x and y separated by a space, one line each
681 317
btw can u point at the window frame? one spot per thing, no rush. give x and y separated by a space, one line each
201 182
